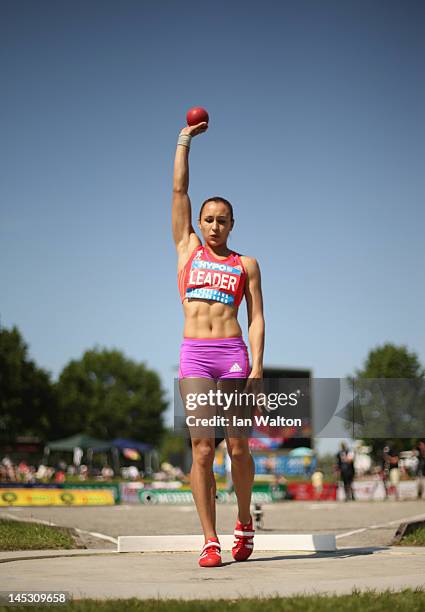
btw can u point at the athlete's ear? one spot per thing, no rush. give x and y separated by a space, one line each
232 224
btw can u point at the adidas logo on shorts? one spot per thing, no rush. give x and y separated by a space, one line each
235 368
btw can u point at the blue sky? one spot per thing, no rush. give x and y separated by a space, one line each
316 136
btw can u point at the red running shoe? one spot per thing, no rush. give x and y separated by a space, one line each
244 541
210 554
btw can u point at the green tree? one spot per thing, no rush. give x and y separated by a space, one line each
27 399
107 395
391 361
395 406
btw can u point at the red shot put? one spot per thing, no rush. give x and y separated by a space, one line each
196 115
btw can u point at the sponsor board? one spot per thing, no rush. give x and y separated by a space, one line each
113 487
304 491
157 496
55 497
373 490
129 492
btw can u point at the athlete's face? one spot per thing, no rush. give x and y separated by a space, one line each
215 223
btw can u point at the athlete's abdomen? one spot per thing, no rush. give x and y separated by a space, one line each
205 319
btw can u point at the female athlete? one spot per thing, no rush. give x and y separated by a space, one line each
213 280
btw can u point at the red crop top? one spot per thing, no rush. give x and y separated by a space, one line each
206 278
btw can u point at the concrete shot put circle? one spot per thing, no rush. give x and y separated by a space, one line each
343 546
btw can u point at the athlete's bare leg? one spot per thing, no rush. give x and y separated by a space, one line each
243 467
237 431
213 491
202 479
203 485
243 470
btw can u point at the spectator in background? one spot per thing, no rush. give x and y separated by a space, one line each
23 471
307 465
345 470
420 469
270 464
133 472
84 472
42 473
107 472
60 472
317 482
59 477
390 471
31 474
10 471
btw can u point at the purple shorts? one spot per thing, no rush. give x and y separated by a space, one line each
214 358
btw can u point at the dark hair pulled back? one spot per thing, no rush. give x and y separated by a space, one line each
217 199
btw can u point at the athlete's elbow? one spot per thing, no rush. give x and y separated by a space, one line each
180 189
257 322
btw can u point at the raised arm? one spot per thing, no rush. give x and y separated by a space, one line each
256 325
184 235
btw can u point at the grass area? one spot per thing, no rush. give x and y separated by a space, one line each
17 535
372 601
416 538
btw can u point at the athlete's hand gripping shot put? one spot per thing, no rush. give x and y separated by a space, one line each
212 281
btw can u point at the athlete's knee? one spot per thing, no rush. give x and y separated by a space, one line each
203 452
239 451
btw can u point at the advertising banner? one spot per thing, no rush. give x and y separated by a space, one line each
55 497
129 492
265 494
304 491
113 487
374 490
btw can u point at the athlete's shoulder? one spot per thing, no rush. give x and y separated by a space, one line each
250 263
